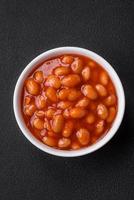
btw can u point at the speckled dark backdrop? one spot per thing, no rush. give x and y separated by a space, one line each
28 28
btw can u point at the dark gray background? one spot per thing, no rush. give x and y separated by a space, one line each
28 28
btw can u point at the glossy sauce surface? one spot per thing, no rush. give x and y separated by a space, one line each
69 102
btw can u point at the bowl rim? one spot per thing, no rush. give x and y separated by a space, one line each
60 51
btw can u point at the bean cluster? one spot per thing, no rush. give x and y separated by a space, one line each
69 102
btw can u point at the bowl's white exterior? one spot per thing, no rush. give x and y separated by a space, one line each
52 53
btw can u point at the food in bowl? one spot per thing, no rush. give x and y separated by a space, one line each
69 102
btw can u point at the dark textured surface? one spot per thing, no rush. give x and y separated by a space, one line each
28 28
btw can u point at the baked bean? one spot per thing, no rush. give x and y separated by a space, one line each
110 100
68 129
73 94
60 71
71 80
57 123
64 104
92 64
101 90
100 127
30 109
64 142
86 73
84 102
40 113
111 116
38 76
32 87
89 91
52 134
77 66
75 145
53 81
58 111
40 102
63 94
94 139
27 100
102 111
77 112
51 94
47 125
67 59
49 113
104 78
43 132
66 113
90 118
83 136
50 141
38 123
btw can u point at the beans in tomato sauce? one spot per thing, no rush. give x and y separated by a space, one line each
69 102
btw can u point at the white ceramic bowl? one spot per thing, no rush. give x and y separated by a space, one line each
56 52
